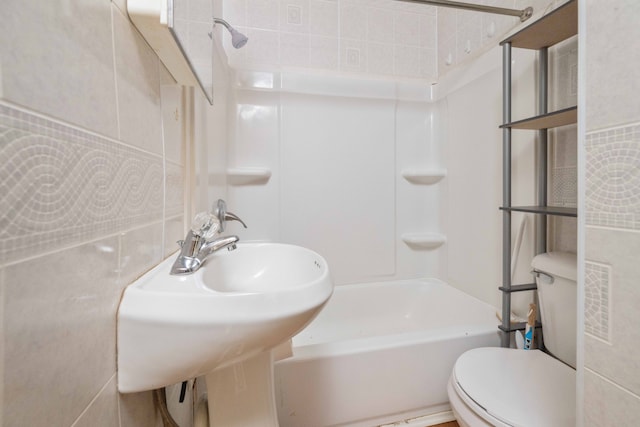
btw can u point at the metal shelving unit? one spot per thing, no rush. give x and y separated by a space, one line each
559 25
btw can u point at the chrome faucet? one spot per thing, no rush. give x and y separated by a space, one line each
199 242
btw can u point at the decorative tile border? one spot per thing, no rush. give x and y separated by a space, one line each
613 178
61 185
597 304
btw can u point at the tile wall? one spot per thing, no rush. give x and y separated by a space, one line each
612 205
90 191
464 35
373 37
378 37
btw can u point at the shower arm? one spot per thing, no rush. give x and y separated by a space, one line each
523 14
223 23
237 38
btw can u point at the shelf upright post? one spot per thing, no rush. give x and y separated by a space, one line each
505 336
542 148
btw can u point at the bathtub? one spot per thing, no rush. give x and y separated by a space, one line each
381 353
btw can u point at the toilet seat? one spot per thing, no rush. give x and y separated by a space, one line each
507 387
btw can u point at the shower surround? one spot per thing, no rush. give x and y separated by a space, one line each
335 147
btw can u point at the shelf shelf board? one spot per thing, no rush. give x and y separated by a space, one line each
550 29
248 176
518 326
519 288
553 119
544 210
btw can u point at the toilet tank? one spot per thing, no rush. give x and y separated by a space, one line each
557 295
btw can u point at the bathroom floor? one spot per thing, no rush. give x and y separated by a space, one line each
449 424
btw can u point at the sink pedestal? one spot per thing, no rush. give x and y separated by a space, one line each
242 395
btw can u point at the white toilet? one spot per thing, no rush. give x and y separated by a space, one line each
509 387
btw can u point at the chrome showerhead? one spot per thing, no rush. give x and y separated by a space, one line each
237 38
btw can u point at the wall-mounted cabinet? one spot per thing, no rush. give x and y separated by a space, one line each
183 43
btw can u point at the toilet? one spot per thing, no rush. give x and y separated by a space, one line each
507 387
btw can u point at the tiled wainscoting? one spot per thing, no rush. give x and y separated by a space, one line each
81 216
612 341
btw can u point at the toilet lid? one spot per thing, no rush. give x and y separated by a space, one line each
519 387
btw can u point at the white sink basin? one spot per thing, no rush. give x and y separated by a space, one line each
238 304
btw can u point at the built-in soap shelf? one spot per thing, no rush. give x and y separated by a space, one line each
428 240
248 176
424 176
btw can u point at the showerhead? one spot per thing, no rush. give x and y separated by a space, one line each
237 38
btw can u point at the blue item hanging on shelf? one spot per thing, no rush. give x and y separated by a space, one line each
530 327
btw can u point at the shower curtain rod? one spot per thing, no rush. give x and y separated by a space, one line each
523 14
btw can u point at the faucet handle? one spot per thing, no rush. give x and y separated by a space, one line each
206 225
223 215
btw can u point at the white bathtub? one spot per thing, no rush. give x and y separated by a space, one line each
380 353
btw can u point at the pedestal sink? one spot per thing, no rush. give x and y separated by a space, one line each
222 320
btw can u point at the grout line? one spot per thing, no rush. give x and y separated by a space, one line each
70 126
70 246
610 228
119 256
606 129
115 72
118 409
95 398
164 163
612 383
